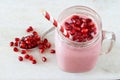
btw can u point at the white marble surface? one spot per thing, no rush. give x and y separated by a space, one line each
17 15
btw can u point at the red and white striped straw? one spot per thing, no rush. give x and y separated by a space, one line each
50 18
54 22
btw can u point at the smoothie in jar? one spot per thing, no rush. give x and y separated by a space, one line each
78 43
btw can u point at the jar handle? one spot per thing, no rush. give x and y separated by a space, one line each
106 35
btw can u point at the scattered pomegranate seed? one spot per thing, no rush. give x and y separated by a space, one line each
15 49
35 33
52 51
34 61
42 50
29 29
16 43
44 59
23 51
45 40
48 45
40 46
17 39
20 58
26 56
30 57
45 47
11 43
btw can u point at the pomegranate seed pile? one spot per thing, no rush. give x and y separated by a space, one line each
27 43
79 29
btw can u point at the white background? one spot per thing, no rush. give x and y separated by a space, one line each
17 15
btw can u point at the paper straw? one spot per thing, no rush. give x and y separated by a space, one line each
53 21
50 18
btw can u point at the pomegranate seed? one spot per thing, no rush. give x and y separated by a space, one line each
67 26
84 30
29 29
75 37
20 58
34 61
17 39
35 33
77 20
11 43
26 56
52 51
80 39
67 35
45 47
88 20
30 57
16 43
45 40
74 17
40 46
15 49
41 50
72 32
77 28
48 45
23 52
44 59
83 25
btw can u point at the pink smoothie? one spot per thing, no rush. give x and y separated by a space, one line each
76 59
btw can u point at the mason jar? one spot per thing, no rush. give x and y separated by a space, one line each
75 56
